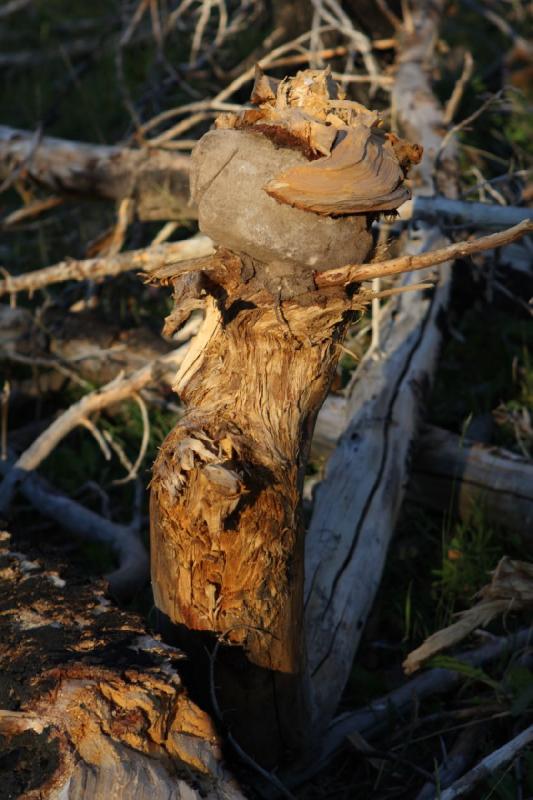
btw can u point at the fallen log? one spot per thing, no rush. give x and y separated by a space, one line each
451 474
157 180
455 475
473 215
91 704
357 503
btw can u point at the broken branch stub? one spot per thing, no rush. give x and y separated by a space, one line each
226 523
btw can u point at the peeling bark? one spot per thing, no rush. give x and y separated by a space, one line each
92 705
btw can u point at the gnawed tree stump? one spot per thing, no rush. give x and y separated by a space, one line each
91 706
291 187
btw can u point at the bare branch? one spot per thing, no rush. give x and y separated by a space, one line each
114 392
355 273
488 766
148 259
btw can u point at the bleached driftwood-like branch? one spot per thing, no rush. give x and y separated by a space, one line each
158 181
489 765
357 503
473 215
116 391
147 259
454 474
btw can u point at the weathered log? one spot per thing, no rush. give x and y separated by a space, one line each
457 476
91 704
474 215
451 474
226 519
357 504
157 180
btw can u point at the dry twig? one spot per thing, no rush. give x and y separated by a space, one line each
148 259
355 273
114 392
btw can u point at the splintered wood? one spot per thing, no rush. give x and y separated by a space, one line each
227 533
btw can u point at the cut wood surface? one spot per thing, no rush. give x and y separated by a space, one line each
158 181
456 475
357 504
92 705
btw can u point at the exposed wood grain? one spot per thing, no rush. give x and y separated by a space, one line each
93 706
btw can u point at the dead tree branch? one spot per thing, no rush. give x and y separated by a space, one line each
147 260
489 765
156 180
353 273
118 390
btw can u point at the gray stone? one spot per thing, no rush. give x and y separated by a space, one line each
229 170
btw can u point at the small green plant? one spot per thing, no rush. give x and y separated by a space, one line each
468 555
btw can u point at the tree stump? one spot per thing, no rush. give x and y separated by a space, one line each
286 189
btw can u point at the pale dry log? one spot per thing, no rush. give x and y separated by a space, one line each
455 475
472 215
158 181
147 259
92 705
451 474
489 765
114 392
357 504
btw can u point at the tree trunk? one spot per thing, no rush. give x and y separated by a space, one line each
289 188
227 532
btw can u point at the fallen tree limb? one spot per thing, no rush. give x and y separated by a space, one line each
489 765
511 588
357 503
158 181
455 762
474 215
454 475
124 540
93 705
373 718
116 391
451 474
353 273
147 259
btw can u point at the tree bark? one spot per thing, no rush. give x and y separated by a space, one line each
157 180
92 705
